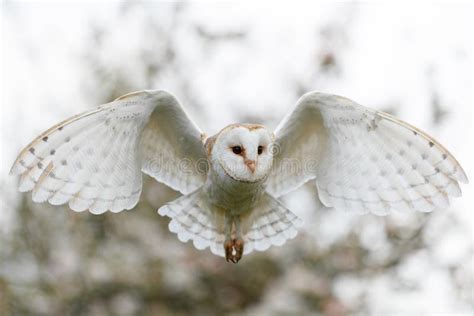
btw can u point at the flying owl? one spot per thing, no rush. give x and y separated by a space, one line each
361 160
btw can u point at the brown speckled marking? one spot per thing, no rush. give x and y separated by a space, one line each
57 127
252 127
210 144
374 123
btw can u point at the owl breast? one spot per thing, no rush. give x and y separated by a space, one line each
233 196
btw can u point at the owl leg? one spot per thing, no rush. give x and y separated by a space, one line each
228 243
234 244
238 240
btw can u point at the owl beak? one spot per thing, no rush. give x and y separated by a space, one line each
250 164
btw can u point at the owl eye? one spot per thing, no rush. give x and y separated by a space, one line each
237 150
260 150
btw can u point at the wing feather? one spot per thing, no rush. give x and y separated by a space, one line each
363 160
94 160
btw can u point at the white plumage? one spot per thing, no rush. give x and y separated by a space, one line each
362 160
94 160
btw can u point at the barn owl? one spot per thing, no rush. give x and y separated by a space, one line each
361 160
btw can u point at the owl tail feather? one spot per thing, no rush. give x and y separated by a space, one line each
271 224
192 218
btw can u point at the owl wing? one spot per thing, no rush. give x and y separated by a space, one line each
94 160
363 160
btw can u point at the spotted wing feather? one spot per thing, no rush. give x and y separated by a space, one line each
363 160
94 160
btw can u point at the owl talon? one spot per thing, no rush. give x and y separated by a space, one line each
239 249
229 247
234 249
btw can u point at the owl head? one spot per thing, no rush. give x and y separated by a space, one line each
243 151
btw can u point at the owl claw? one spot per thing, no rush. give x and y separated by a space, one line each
234 248
229 247
239 249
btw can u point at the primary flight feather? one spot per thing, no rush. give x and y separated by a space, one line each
362 160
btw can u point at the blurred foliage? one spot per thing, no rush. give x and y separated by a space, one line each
128 263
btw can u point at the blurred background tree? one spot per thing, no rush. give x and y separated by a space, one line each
227 63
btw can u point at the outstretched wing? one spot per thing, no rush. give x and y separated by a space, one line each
94 160
363 160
